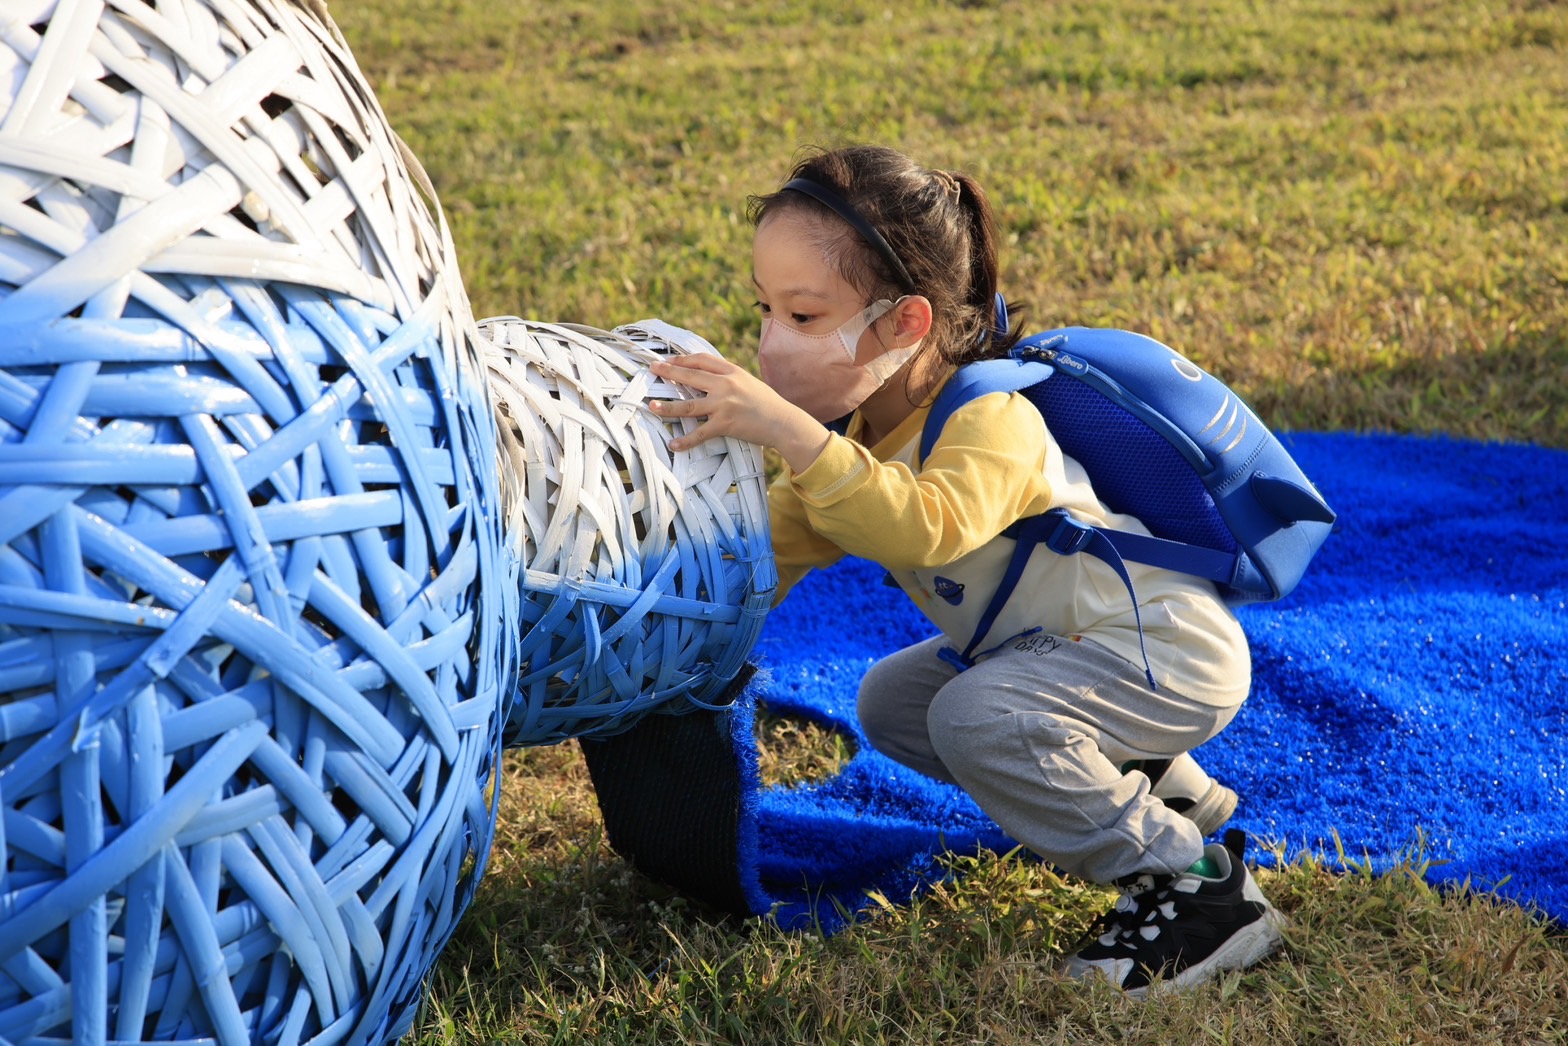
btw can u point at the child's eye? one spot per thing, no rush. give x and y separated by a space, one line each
799 319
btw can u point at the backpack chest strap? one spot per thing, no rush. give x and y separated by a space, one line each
1058 531
1068 536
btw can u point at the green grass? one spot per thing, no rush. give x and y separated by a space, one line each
1355 213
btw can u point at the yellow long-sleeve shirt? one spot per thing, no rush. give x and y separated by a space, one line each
935 525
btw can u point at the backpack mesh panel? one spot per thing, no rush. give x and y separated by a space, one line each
1135 470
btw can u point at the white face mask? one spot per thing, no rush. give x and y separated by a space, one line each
818 372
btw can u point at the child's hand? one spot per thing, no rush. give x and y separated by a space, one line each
737 404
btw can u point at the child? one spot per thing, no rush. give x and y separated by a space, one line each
875 277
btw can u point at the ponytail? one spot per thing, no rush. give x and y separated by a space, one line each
984 276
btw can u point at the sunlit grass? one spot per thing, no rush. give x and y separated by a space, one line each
1355 214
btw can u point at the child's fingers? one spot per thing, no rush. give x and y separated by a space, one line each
695 371
685 377
701 434
677 408
696 361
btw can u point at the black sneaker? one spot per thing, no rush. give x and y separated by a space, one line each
1184 787
1176 931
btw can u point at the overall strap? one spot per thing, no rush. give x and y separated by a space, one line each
1028 533
1064 535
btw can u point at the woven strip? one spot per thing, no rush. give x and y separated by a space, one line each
647 573
253 596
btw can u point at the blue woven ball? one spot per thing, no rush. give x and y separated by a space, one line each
255 613
647 572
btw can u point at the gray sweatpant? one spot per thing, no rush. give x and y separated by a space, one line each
1036 733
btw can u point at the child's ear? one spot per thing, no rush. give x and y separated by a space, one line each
911 320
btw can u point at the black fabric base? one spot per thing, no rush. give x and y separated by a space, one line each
670 791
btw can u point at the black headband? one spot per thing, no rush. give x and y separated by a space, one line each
841 207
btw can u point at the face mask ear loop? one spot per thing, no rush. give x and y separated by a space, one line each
886 365
863 322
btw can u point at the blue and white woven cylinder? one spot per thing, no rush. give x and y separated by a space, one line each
255 613
647 572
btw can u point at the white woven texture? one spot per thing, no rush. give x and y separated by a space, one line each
647 572
255 612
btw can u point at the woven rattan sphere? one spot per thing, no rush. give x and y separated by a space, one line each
254 605
647 573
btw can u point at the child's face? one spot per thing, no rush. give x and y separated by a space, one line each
796 285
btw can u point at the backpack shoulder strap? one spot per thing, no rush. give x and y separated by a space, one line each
973 380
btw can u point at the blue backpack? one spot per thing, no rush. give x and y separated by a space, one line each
1162 441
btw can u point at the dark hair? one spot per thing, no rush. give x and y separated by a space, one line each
938 224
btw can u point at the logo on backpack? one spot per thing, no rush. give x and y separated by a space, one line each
949 590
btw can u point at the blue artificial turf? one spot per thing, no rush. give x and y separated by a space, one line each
1412 690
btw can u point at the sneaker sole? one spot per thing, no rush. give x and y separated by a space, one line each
1249 945
1212 811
